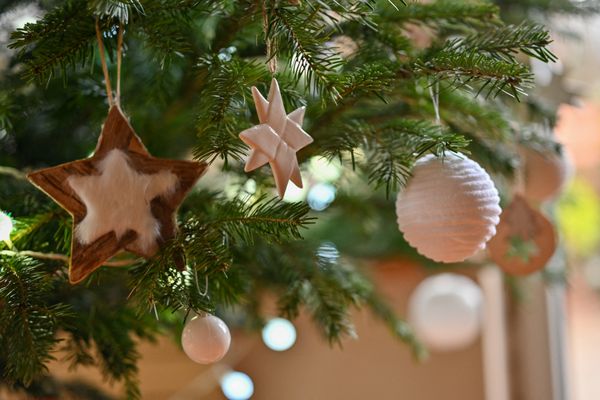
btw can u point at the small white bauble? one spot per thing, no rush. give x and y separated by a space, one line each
449 208
445 311
205 339
544 173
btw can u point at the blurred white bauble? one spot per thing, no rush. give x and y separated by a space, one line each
445 311
544 173
449 208
205 339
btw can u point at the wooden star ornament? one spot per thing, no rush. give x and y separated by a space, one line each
277 139
121 198
525 239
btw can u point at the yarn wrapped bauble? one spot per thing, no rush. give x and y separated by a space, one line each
544 173
449 208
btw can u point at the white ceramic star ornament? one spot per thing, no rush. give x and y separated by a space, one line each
277 139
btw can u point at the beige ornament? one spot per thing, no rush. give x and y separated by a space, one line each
544 174
525 239
449 208
277 139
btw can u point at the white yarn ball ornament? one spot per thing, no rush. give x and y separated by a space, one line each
545 174
205 339
445 311
449 208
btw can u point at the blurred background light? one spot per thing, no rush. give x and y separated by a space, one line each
279 334
328 252
578 215
321 196
237 386
293 193
6 227
325 170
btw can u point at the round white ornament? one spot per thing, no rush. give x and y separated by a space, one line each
205 339
449 208
545 173
445 311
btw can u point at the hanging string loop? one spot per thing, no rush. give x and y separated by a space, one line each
113 99
434 92
271 56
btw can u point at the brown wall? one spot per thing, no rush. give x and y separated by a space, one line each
373 366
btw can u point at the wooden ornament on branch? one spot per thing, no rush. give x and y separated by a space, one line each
544 173
525 239
120 198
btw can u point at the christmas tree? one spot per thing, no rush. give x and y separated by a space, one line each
383 82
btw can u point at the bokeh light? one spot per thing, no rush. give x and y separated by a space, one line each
279 334
294 194
327 251
6 226
578 215
325 170
321 196
237 386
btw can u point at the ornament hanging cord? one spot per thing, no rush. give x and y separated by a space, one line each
112 99
434 92
271 57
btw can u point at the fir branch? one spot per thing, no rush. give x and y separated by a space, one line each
301 277
390 148
63 257
117 9
209 245
505 42
302 33
473 116
105 328
442 12
461 69
493 156
223 106
270 219
28 318
7 107
550 7
398 144
158 283
243 14
308 276
205 281
164 27
117 351
63 38
375 78
32 232
109 339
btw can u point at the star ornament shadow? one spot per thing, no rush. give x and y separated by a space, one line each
157 186
277 139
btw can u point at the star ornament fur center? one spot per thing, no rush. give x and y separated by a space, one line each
121 198
277 139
